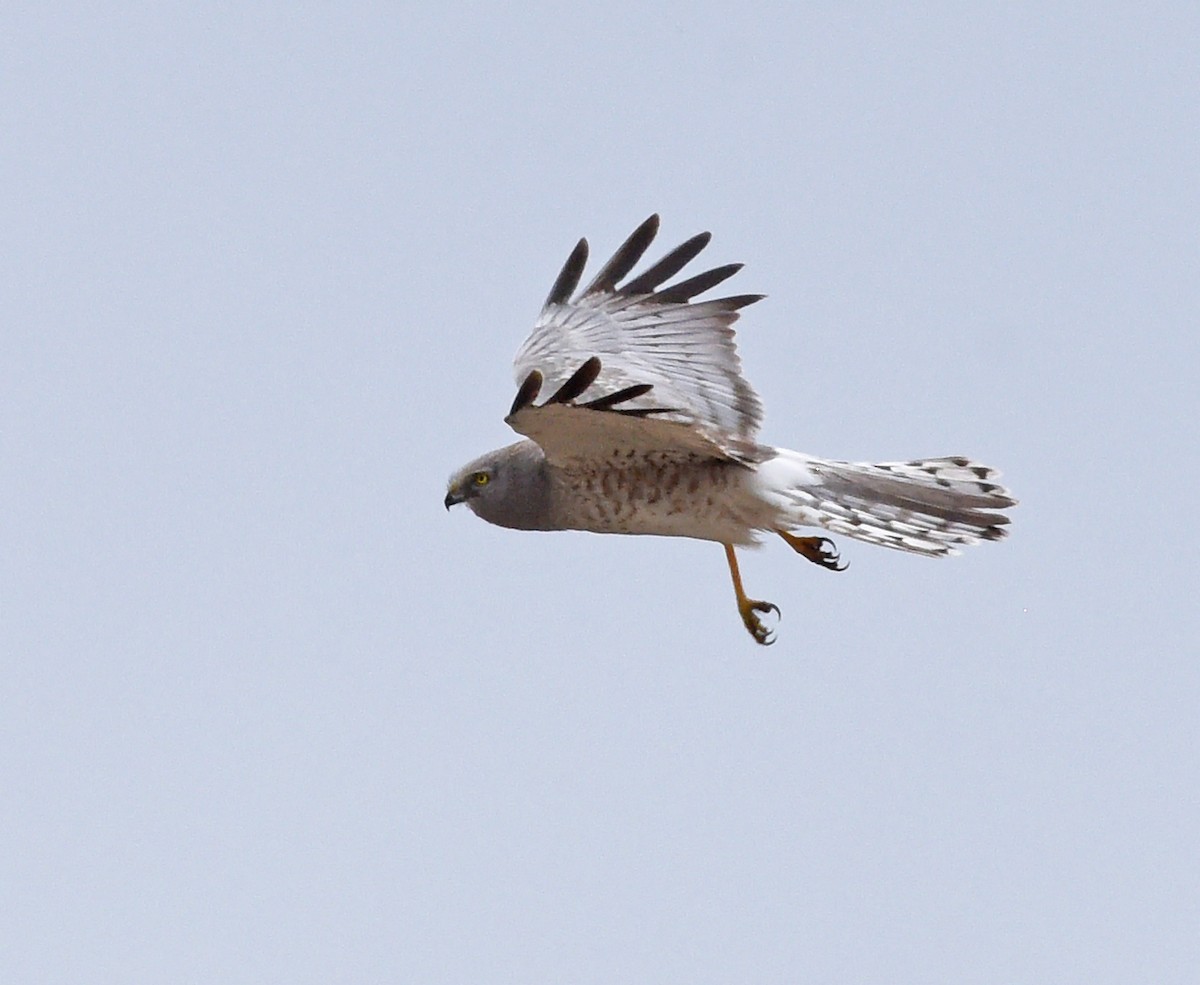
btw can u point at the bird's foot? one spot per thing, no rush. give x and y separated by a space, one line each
754 626
819 550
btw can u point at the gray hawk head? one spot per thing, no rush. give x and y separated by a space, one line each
509 487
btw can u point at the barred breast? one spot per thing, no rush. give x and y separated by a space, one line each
699 498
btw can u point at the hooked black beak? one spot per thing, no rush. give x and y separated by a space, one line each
453 497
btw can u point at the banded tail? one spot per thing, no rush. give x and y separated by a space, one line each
931 506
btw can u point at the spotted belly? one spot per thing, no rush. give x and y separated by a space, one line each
704 500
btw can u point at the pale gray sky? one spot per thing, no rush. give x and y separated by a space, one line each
271 715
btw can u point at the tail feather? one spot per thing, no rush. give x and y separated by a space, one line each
930 506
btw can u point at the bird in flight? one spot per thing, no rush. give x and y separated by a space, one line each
650 428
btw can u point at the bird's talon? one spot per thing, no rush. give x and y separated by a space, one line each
754 625
828 555
819 550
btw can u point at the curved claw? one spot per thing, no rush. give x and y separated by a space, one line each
754 626
828 555
819 550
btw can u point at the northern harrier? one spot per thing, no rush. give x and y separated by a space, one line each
651 429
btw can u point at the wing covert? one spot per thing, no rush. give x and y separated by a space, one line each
609 429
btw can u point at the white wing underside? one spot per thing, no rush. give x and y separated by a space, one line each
642 334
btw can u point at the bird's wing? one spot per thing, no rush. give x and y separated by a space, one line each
678 354
610 429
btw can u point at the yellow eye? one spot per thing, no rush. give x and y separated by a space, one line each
481 478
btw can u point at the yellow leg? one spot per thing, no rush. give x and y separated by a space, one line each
747 607
819 550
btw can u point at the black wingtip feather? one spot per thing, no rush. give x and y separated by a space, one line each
668 266
626 257
580 380
738 301
685 290
568 277
620 397
528 392
647 411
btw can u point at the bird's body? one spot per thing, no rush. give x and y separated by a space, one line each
654 494
666 443
661 495
704 500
